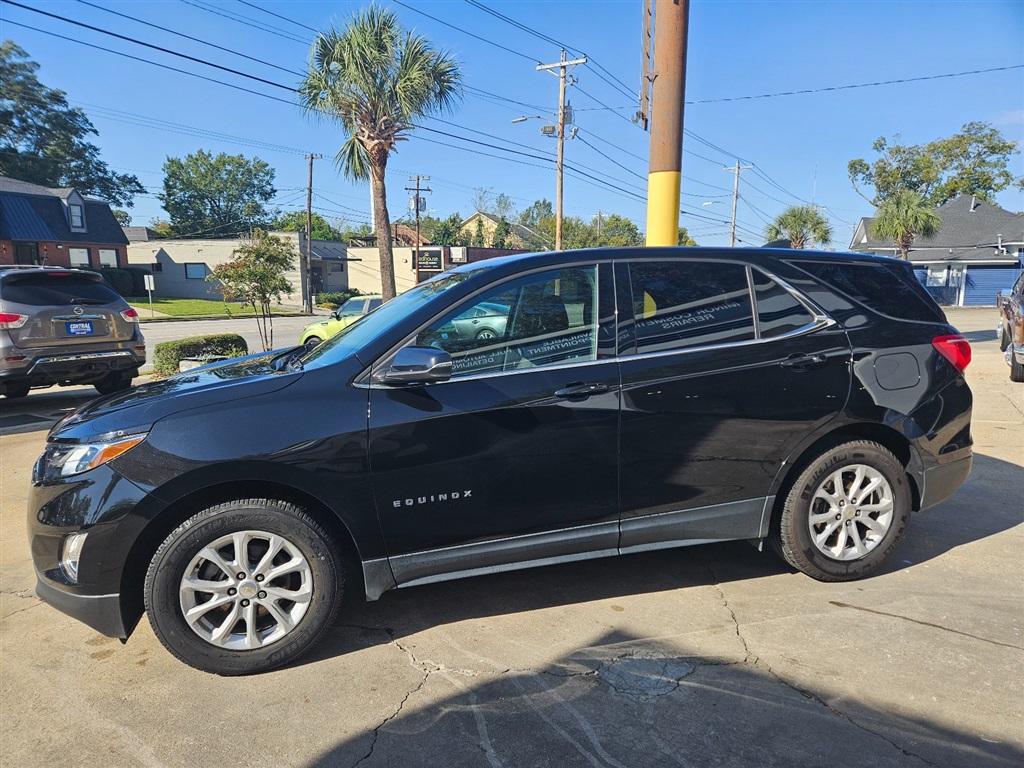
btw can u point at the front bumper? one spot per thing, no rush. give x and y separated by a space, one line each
101 612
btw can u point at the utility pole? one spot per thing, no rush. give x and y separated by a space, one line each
417 204
307 285
671 19
735 196
561 66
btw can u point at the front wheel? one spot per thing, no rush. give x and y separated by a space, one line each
243 587
845 514
313 342
1016 368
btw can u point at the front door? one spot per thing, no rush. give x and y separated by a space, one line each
515 457
26 253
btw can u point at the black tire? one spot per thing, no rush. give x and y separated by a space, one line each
865 535
313 342
1016 368
16 391
318 577
114 382
1004 339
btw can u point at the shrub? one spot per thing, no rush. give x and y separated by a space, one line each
138 275
120 280
337 298
167 355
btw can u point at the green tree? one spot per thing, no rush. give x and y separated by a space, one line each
537 211
684 237
43 138
802 225
904 216
376 80
974 161
161 228
446 231
502 234
295 221
478 240
255 275
216 196
618 231
122 217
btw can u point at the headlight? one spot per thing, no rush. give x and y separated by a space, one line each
68 459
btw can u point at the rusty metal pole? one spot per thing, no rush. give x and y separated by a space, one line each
666 164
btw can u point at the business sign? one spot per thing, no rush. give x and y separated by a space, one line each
430 261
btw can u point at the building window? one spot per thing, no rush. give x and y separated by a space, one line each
108 257
936 276
77 216
157 266
195 271
79 257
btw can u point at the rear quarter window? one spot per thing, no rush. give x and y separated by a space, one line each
891 289
55 290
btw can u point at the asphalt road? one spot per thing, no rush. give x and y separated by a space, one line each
707 656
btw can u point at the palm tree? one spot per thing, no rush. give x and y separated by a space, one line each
376 79
802 225
902 217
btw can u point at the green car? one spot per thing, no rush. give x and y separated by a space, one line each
315 333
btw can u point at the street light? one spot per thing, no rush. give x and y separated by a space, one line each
555 130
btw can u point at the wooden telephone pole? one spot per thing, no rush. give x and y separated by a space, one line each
563 67
307 285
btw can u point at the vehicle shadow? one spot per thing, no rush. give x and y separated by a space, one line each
630 701
41 409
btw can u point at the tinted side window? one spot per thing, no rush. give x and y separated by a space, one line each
686 304
883 287
52 290
778 311
543 319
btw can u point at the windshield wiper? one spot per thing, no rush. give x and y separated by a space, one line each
289 360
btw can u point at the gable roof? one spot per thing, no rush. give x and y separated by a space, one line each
33 212
972 230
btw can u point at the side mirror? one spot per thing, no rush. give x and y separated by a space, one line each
418 365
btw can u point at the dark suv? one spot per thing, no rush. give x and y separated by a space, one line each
634 399
62 326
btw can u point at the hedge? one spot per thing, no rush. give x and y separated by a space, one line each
337 298
127 281
167 355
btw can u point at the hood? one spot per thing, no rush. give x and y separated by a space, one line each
138 408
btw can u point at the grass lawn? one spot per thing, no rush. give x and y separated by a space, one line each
168 307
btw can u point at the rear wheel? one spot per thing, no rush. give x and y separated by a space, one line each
845 514
244 587
16 390
1016 368
115 381
312 342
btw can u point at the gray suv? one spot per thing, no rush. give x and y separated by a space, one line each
62 327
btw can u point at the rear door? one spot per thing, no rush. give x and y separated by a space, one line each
717 389
64 308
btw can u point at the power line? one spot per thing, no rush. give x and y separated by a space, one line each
147 45
613 162
874 84
465 32
279 16
247 22
189 37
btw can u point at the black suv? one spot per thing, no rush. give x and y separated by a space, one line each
634 399
62 326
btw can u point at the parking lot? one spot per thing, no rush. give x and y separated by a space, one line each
713 655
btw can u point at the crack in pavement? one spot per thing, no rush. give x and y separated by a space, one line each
809 695
924 624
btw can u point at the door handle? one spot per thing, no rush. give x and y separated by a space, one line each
581 391
803 362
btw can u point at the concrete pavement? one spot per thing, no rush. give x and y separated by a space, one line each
714 655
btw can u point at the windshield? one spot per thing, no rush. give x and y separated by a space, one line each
379 322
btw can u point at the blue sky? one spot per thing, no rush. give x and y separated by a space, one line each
800 144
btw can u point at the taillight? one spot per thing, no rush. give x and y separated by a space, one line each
10 320
954 348
130 315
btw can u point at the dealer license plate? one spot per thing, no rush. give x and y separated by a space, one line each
81 328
